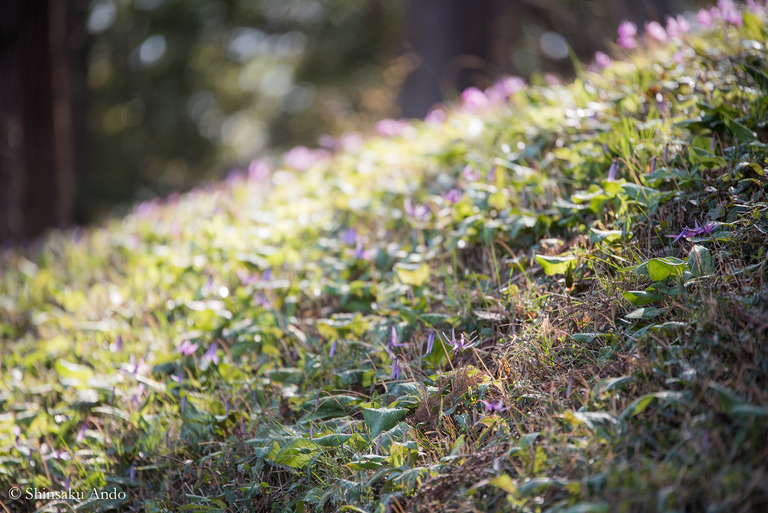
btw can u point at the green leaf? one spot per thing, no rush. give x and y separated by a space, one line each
661 268
504 482
538 484
742 133
413 274
645 313
556 265
331 440
70 371
641 403
379 420
640 297
750 410
297 453
700 261
637 406
596 235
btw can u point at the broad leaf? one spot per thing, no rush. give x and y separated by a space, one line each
412 274
379 420
661 268
700 261
556 265
640 297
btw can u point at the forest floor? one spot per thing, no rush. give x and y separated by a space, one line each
546 298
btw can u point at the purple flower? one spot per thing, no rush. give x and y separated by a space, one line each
17 432
656 31
552 80
627 29
183 403
419 212
493 407
470 174
492 175
627 33
138 395
436 115
187 348
210 355
504 88
302 158
135 368
118 344
258 170
333 348
349 236
81 434
132 472
461 344
430 342
602 59
359 253
396 370
391 127
473 99
262 301
56 454
393 342
696 231
677 26
453 196
730 12
612 171
704 17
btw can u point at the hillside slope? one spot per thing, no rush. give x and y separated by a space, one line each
548 298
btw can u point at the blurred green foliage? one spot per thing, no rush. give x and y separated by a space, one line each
180 90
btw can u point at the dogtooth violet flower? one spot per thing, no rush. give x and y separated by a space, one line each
210 355
462 343
396 370
187 348
452 196
393 342
627 32
656 31
696 231
493 407
430 342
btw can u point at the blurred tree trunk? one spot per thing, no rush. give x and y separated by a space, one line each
453 41
36 140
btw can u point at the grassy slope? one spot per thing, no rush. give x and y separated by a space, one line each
655 400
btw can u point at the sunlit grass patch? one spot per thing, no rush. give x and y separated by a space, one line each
553 301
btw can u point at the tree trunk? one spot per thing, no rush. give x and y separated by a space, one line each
453 41
36 146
